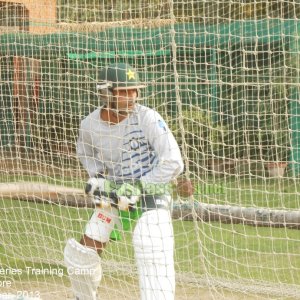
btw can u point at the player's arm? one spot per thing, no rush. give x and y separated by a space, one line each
170 161
86 153
102 191
97 187
160 137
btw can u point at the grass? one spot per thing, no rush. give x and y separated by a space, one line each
34 235
264 193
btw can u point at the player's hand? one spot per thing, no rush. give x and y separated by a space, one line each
94 184
96 189
128 203
184 188
92 189
128 196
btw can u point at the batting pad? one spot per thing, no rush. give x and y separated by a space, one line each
154 246
84 269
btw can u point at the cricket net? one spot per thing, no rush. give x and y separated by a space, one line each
225 77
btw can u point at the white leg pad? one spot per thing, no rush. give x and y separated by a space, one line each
153 242
84 269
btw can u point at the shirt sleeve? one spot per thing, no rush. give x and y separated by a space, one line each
170 163
86 153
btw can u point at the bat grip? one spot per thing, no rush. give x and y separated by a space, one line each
111 195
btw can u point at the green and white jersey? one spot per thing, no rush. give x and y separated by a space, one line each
140 147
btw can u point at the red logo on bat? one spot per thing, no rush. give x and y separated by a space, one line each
104 218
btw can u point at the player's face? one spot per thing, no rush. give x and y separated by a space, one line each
125 99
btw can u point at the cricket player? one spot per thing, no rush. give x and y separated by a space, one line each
128 150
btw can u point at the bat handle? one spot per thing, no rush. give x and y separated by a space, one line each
111 195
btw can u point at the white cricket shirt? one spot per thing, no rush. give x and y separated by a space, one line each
140 147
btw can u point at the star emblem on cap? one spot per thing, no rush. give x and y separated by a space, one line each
130 74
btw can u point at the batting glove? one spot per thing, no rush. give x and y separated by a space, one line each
94 184
100 185
128 196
